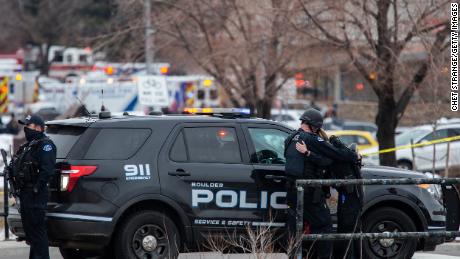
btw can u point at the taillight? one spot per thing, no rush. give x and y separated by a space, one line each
71 174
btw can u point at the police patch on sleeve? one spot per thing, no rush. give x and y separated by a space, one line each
320 139
47 147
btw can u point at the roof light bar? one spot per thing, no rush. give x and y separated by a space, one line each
240 111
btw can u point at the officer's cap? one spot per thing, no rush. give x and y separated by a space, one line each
32 119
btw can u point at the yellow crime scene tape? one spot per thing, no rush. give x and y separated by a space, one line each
426 143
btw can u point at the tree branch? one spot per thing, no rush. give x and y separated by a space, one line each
421 73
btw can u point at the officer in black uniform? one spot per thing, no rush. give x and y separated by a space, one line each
349 204
350 199
311 164
35 161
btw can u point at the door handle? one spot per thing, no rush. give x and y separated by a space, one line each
179 172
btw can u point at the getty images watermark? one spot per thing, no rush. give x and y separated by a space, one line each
454 56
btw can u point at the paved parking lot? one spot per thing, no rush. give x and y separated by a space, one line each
16 250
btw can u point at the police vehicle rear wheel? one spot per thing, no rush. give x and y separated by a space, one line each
388 220
147 235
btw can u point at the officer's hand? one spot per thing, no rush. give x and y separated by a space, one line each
301 147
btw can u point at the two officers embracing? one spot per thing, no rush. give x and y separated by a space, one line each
311 155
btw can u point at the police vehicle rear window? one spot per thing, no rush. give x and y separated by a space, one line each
64 137
116 144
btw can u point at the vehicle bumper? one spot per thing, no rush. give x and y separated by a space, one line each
430 244
70 230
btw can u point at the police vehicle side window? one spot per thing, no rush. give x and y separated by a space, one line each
111 143
212 145
268 145
178 151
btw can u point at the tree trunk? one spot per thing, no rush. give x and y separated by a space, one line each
264 107
44 63
386 121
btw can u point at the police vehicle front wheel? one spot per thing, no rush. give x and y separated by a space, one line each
384 220
147 235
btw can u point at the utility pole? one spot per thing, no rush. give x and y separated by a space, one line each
148 38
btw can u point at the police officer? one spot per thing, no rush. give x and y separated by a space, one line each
35 161
311 165
350 199
349 204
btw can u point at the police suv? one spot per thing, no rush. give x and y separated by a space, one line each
153 186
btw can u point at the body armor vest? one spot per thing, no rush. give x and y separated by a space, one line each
297 166
25 164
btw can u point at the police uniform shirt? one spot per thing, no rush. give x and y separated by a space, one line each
46 160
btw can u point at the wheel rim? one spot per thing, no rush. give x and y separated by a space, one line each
150 241
404 166
386 248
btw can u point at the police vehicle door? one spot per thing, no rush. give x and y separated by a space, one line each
206 169
266 149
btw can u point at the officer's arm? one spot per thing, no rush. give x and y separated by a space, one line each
328 150
313 157
47 163
318 159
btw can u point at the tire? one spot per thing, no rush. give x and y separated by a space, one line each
388 220
405 164
147 235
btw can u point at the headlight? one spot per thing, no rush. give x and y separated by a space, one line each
434 189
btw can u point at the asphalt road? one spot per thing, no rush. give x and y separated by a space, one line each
15 250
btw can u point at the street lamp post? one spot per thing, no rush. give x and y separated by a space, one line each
149 44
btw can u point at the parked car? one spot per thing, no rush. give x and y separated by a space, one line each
289 117
152 186
338 124
401 129
425 155
363 139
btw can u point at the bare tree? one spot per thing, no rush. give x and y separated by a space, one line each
246 46
378 36
45 23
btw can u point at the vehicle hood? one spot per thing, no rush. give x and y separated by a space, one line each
386 172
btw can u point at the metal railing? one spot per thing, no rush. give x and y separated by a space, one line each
348 236
6 211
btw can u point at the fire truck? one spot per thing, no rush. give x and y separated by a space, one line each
120 93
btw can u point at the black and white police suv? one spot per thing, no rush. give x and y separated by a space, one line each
153 186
